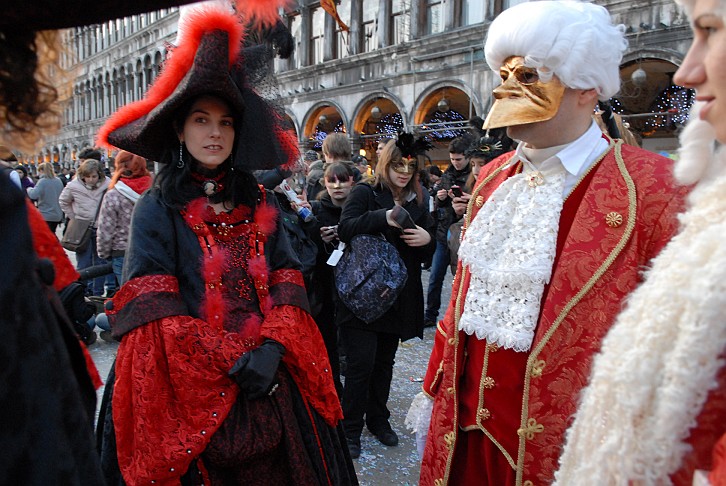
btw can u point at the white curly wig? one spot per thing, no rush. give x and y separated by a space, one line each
574 40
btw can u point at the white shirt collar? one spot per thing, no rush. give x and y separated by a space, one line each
580 154
576 156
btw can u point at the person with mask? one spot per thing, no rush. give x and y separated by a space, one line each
339 181
556 236
371 347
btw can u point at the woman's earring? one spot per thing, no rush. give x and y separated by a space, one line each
180 163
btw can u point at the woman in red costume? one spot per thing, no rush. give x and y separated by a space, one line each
221 376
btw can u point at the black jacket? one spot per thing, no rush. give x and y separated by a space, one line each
323 296
365 213
444 213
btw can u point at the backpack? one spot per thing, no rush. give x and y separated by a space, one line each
369 276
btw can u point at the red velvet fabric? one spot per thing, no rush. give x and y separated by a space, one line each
718 473
597 265
46 245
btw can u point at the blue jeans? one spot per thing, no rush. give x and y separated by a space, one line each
439 265
101 320
118 265
89 258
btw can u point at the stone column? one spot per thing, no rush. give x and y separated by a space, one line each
384 23
356 20
305 31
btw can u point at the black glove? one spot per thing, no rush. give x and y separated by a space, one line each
255 370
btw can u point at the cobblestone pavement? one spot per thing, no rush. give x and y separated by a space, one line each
378 464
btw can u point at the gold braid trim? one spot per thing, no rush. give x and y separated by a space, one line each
479 426
531 361
457 317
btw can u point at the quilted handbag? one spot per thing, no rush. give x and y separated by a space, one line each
369 276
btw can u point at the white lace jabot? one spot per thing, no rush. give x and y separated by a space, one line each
510 248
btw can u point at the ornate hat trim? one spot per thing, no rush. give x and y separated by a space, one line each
177 65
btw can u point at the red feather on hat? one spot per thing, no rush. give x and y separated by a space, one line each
178 63
262 12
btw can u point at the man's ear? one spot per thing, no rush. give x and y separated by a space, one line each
587 97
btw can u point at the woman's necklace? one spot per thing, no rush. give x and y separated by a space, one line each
210 183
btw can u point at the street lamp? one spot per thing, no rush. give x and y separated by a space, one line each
443 105
639 76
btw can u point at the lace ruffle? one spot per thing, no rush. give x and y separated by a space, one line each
510 247
418 418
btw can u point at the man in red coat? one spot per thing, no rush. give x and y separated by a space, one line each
556 235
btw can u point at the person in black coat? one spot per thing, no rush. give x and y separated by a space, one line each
339 180
371 348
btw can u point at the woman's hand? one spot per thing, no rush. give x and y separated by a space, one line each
442 194
255 370
329 233
416 237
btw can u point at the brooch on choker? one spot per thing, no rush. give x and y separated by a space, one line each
210 185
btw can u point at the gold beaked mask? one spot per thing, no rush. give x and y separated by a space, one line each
522 97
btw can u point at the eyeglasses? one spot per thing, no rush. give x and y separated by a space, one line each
404 167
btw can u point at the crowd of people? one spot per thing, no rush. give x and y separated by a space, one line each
584 341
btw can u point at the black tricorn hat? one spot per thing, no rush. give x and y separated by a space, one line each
52 14
209 60
37 15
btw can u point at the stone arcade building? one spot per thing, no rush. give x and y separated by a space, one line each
413 64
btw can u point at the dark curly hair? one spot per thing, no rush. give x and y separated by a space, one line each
27 95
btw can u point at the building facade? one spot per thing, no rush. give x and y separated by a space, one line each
416 65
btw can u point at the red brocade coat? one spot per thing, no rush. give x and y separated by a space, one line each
185 316
518 405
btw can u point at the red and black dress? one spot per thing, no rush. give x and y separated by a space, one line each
201 290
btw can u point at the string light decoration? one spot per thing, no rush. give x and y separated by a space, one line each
320 133
438 118
676 101
389 125
617 106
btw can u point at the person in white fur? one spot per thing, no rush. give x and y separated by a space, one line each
656 403
555 238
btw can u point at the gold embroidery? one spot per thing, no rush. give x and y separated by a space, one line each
449 439
457 317
483 414
613 219
479 201
450 390
528 483
438 482
488 382
616 147
537 368
452 341
493 347
532 428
